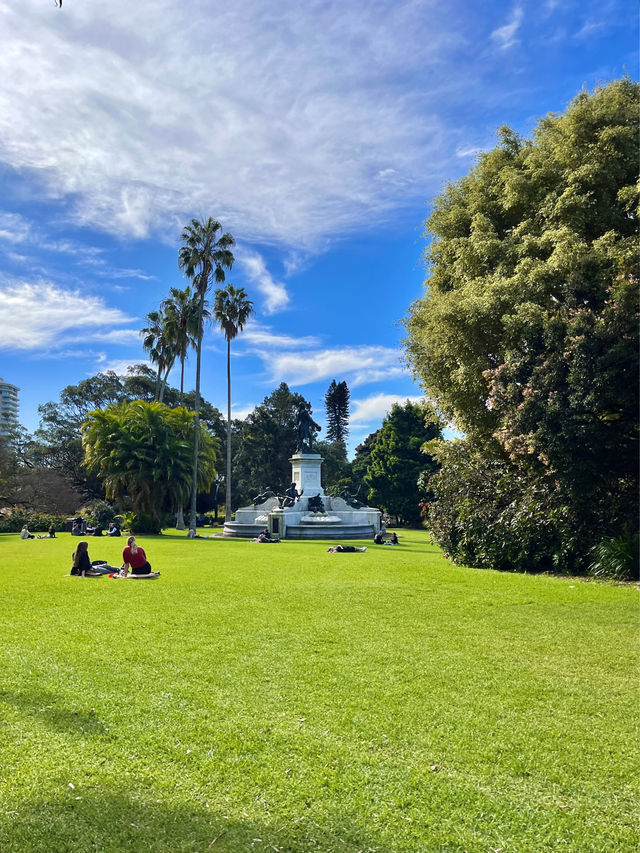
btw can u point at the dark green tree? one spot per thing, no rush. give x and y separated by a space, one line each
397 460
337 408
266 440
527 335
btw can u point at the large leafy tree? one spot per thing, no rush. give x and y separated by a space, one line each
143 451
527 335
397 460
336 402
231 310
204 255
266 439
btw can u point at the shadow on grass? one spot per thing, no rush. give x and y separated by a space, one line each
89 819
43 706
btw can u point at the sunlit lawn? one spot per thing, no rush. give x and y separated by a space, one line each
282 698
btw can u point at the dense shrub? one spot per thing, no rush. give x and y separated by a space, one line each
488 514
36 521
616 558
99 512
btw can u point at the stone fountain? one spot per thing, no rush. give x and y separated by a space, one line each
305 511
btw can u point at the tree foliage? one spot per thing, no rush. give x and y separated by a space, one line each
337 408
266 440
527 335
142 452
397 460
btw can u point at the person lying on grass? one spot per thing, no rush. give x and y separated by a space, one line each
344 549
82 563
133 556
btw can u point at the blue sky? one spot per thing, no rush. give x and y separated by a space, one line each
316 135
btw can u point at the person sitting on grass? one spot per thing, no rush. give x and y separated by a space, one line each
378 539
265 536
113 530
25 534
344 549
392 540
51 534
133 556
82 563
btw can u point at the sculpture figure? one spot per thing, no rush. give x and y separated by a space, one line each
350 499
316 504
290 496
306 428
263 497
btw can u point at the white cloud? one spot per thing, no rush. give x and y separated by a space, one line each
41 314
360 365
292 122
505 36
14 228
375 408
255 268
257 335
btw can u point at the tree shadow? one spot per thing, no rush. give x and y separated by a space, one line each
44 707
91 819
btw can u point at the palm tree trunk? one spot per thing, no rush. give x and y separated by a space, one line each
180 525
227 516
196 439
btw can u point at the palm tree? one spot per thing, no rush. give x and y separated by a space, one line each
231 310
205 253
181 325
157 343
143 451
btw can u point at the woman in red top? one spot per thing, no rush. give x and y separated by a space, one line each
134 556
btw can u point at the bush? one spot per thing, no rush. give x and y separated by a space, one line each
489 514
36 521
100 513
137 523
616 558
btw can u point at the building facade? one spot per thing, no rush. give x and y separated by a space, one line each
8 406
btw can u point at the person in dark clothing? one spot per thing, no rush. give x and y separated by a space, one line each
82 562
344 549
378 539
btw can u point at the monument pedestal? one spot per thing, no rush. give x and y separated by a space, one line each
305 473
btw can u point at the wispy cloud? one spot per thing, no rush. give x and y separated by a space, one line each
258 335
40 314
275 294
505 36
359 365
370 409
313 130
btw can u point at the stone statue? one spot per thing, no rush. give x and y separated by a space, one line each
350 499
290 496
306 428
316 504
263 497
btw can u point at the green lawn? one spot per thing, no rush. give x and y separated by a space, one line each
281 698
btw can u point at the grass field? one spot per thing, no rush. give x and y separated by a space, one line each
260 698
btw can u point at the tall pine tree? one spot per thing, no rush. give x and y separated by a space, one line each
336 401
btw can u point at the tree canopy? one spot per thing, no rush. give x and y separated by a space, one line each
397 460
527 334
143 451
